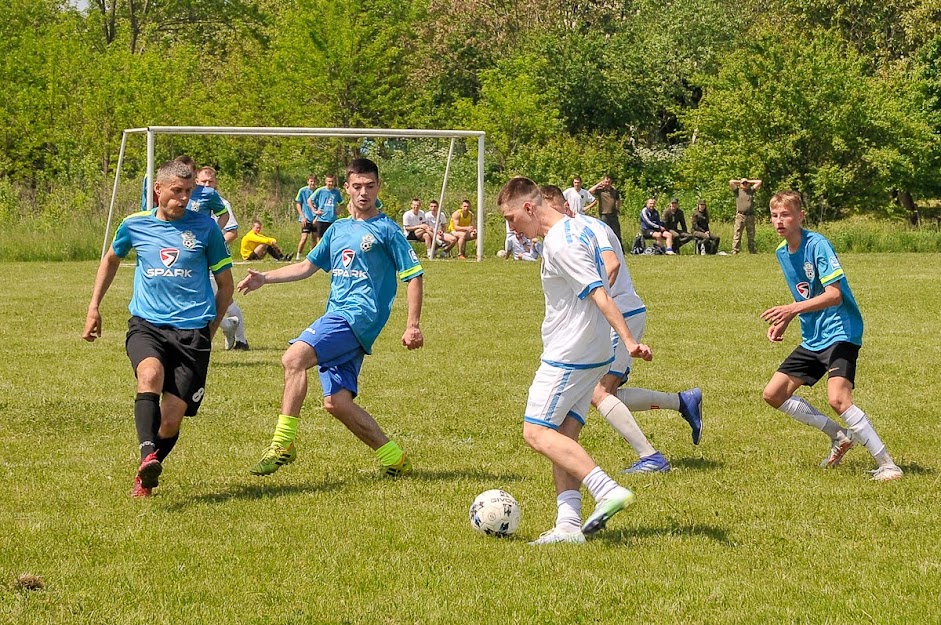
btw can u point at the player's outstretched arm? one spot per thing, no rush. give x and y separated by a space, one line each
413 338
289 273
609 309
103 279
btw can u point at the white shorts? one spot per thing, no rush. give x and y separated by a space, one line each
557 393
621 367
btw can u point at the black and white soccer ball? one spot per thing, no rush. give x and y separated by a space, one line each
495 513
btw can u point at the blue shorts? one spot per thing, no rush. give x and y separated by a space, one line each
339 354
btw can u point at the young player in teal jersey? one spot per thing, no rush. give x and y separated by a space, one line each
203 199
832 332
305 213
364 255
326 201
174 312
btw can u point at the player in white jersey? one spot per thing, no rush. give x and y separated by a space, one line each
687 403
576 353
233 324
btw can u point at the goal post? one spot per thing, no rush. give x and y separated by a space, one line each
151 133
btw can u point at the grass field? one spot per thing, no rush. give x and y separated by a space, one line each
745 529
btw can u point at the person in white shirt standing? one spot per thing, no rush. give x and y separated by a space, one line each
576 353
579 199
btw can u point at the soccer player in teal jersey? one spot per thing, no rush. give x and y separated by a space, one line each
174 312
326 200
832 333
305 213
364 255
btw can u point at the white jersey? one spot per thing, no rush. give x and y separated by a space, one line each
231 224
578 200
442 220
575 333
410 219
622 292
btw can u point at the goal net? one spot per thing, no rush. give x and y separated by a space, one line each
360 134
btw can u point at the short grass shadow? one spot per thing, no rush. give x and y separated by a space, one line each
627 535
697 463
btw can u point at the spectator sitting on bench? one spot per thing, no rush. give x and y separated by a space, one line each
652 228
708 241
413 221
674 221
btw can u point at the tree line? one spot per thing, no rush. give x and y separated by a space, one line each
840 99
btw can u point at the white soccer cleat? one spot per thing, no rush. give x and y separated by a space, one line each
228 326
838 449
558 535
886 473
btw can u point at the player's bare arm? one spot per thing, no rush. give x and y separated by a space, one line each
611 266
831 296
413 338
226 284
289 273
103 279
610 310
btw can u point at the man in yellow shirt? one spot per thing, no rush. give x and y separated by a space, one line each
462 227
255 245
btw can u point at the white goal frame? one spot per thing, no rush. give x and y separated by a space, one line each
262 131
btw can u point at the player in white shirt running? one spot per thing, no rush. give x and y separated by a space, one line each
687 403
576 353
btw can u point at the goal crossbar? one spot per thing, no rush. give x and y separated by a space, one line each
285 131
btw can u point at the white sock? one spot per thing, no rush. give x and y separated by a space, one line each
621 419
640 399
236 312
599 484
800 409
864 433
569 515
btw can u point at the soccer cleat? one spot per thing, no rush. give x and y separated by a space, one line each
886 473
228 327
240 346
149 470
614 502
140 490
838 449
654 463
670 252
691 410
400 469
275 457
557 535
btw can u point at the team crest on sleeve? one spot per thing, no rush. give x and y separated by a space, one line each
367 242
809 270
413 255
189 240
347 256
169 256
834 262
804 289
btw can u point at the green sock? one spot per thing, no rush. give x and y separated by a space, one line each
389 454
285 431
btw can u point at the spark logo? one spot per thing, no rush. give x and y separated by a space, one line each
169 256
347 256
804 289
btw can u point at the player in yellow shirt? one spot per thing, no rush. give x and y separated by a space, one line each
255 245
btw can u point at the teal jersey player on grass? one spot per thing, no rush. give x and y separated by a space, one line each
364 254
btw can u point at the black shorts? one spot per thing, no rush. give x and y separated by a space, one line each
411 236
838 360
307 227
648 234
183 353
322 227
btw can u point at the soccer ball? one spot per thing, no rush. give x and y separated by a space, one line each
495 513
501 253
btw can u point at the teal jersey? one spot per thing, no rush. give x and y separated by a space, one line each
302 195
364 258
206 201
174 258
808 271
327 200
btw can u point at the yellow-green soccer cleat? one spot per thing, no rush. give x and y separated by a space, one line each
275 457
400 469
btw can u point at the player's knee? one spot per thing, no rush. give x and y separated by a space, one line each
840 404
337 404
599 396
773 396
534 435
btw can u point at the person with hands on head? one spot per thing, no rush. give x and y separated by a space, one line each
174 313
363 254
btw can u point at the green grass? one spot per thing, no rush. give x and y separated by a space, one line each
745 529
